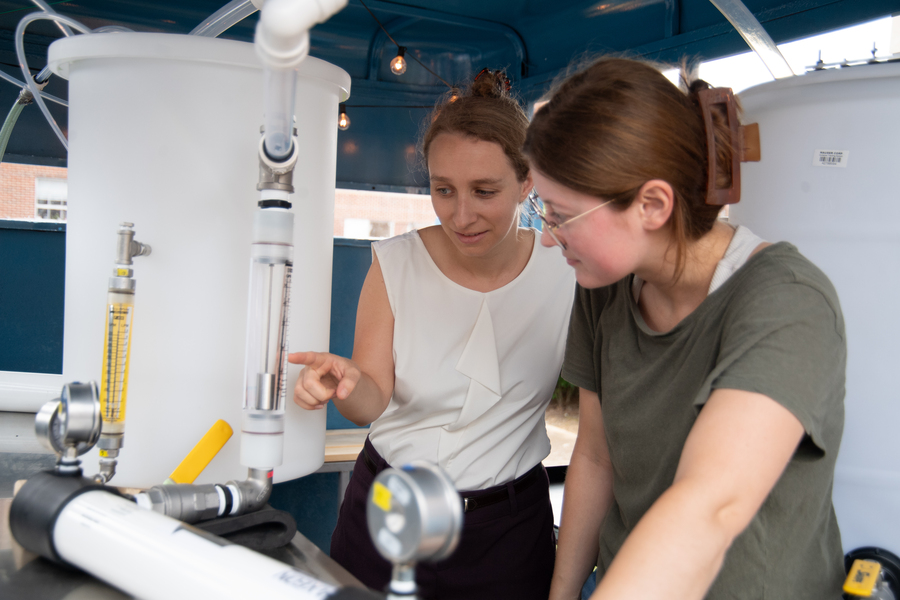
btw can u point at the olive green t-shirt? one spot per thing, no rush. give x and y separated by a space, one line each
774 327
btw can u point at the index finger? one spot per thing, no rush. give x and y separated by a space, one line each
302 358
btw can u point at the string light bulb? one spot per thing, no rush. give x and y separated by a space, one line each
398 64
343 119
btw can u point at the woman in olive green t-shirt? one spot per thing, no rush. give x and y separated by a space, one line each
710 363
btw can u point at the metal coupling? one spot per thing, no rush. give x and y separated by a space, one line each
25 95
127 247
107 468
185 502
402 585
194 503
277 175
254 491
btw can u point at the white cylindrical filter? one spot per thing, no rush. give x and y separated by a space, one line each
826 184
151 556
164 133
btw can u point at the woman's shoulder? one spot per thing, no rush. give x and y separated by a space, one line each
782 262
782 278
401 246
404 239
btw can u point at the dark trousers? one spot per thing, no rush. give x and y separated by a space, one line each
506 549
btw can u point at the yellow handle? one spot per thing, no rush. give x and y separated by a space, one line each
197 459
862 577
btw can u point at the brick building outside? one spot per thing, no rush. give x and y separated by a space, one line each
36 193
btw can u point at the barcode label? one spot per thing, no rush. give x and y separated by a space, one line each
831 158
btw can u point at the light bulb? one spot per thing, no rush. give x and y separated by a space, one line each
343 119
398 64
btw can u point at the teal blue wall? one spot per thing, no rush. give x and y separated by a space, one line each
32 295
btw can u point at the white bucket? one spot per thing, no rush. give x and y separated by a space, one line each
846 219
164 133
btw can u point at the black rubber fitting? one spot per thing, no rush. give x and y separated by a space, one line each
36 507
274 204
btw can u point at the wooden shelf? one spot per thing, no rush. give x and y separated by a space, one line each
342 445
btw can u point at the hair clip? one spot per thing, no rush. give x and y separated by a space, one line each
744 145
504 80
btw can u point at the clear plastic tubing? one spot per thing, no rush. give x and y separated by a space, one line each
271 262
23 63
755 35
22 84
224 18
46 8
280 93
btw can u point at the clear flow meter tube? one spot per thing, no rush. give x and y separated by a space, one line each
267 325
117 350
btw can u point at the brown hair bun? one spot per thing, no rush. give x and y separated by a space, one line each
490 84
485 111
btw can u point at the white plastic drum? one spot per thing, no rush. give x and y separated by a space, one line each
164 132
827 183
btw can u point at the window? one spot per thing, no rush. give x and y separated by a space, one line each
365 228
365 214
50 197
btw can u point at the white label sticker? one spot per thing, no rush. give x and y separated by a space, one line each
831 158
399 489
389 542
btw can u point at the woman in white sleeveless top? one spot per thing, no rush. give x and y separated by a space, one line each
460 334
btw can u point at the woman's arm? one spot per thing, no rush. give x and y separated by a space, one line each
362 387
733 457
588 496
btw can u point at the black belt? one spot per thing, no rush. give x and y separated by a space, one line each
471 503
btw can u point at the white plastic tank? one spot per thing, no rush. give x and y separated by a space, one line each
164 133
827 183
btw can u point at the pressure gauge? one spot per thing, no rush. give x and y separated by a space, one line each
70 425
414 513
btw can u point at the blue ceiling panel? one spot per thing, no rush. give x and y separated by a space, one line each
534 40
368 157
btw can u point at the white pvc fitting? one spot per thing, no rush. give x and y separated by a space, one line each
282 42
273 226
282 34
262 441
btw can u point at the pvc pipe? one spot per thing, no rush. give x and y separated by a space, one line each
280 90
224 18
282 42
152 556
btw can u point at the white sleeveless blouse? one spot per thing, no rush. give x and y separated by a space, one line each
474 371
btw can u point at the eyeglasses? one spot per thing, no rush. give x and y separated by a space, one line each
537 205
